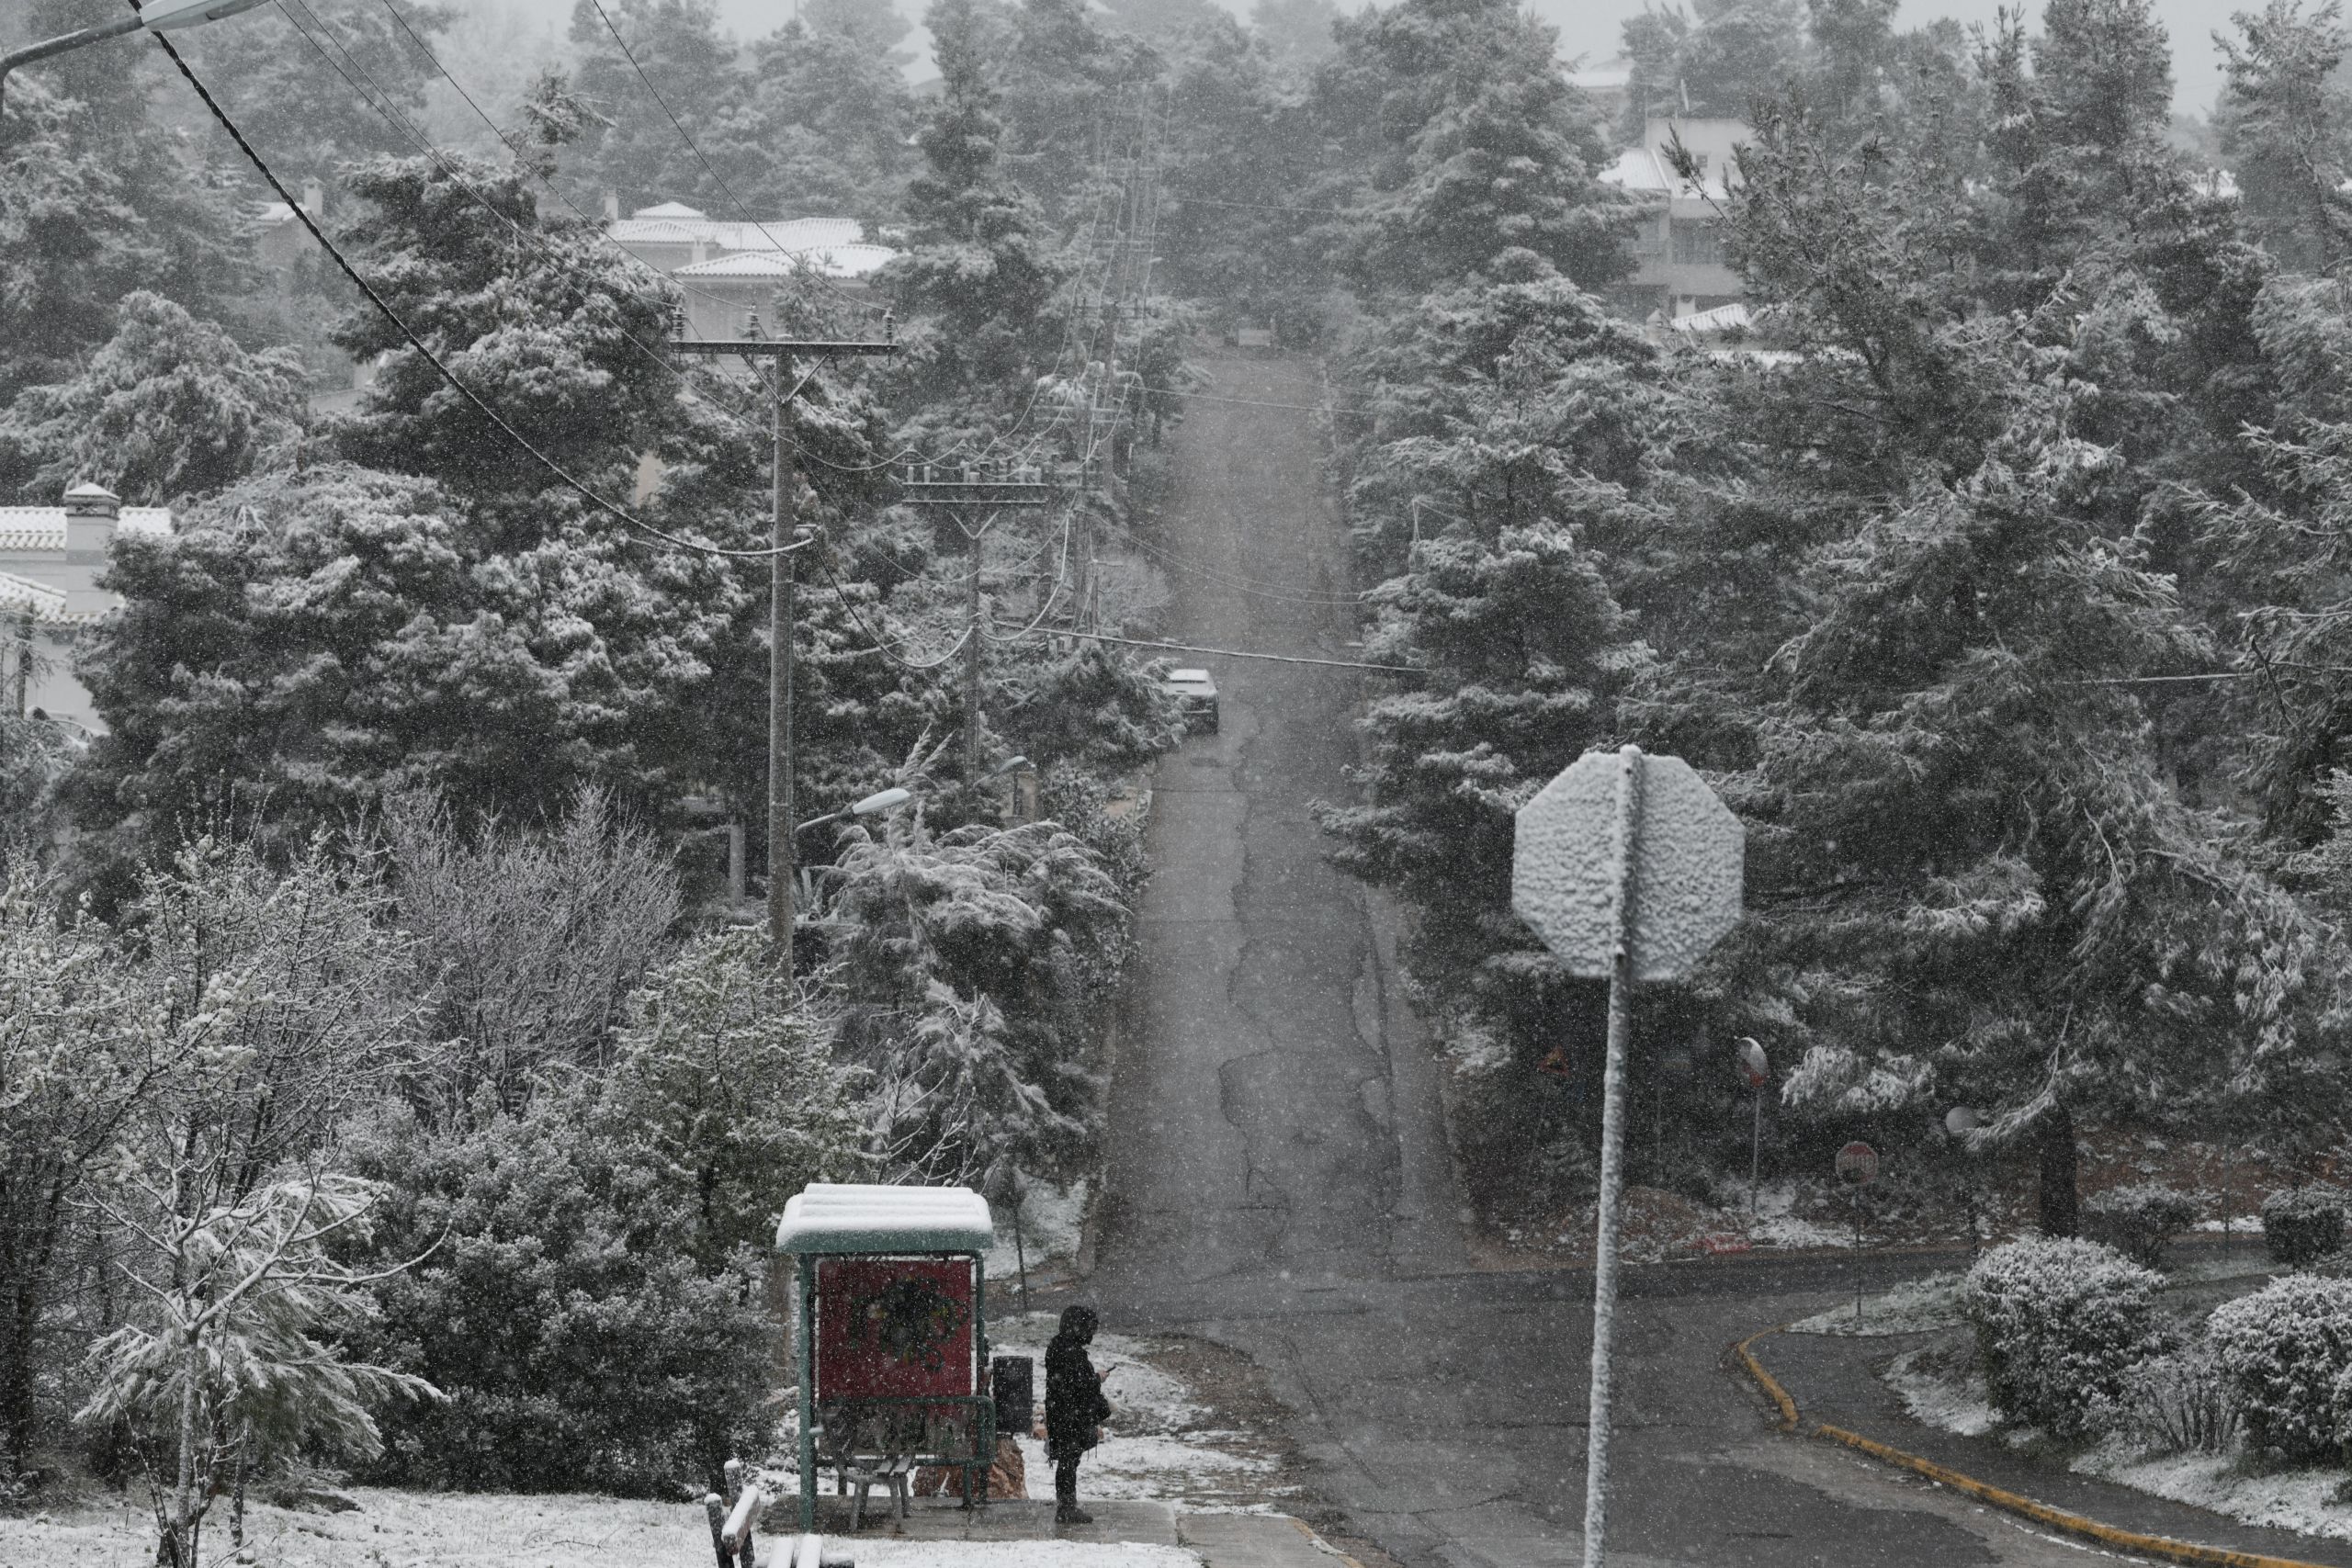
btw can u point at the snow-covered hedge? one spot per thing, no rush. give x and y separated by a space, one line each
2060 1323
2183 1403
2139 1220
2300 1224
2288 1351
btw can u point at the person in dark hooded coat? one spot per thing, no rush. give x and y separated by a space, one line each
1075 1409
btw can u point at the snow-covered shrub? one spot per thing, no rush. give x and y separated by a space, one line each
2183 1402
2287 1351
2060 1323
2300 1224
2139 1220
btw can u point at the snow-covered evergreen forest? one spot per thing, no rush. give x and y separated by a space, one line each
381 1083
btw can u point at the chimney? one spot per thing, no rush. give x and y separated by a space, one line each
314 198
612 206
90 514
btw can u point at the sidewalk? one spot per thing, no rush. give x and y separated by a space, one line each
1834 1381
1222 1541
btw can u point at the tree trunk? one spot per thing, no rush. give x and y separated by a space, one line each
183 1535
237 1502
2061 1213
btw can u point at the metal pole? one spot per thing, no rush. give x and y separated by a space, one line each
60 44
780 618
1756 1157
807 1319
1856 1191
972 664
1612 1157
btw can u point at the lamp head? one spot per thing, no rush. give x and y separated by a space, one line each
881 801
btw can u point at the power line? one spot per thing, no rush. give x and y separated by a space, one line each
470 396
1265 206
1239 653
881 643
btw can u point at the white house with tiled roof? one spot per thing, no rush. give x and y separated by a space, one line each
730 271
50 559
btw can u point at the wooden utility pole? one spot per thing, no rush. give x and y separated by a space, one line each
966 494
781 530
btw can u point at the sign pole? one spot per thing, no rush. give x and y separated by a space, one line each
1612 1156
1756 1157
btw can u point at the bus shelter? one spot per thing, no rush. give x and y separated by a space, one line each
892 1340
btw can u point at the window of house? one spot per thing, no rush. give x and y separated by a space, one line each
1698 240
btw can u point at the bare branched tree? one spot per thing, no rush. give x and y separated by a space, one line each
529 943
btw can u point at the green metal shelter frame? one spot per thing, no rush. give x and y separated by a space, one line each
846 1220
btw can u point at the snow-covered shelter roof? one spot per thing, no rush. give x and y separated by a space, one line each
668 209
849 1217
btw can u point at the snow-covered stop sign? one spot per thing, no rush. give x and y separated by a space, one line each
1752 1065
1687 857
1857 1163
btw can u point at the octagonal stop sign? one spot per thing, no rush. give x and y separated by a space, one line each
1687 853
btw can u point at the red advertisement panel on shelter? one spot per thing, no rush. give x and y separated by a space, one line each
893 1328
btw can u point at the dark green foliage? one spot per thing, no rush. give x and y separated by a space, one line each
309 641
2138 1220
2301 1224
582 1345
2286 124
97 199
1474 152
169 407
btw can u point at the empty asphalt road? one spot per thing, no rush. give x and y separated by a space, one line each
1277 1176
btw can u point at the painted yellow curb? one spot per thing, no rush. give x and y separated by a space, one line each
2041 1513
1319 1543
1770 1383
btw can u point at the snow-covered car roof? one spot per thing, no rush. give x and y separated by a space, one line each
835 1217
1191 677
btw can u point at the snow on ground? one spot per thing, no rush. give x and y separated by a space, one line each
415 1529
1019 1554
2225 1484
389 1529
2292 1499
1914 1306
1777 1223
1935 1399
1159 1444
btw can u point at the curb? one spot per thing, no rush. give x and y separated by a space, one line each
2041 1513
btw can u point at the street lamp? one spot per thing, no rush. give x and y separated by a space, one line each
156 16
882 800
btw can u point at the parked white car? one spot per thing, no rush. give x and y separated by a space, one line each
1197 692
